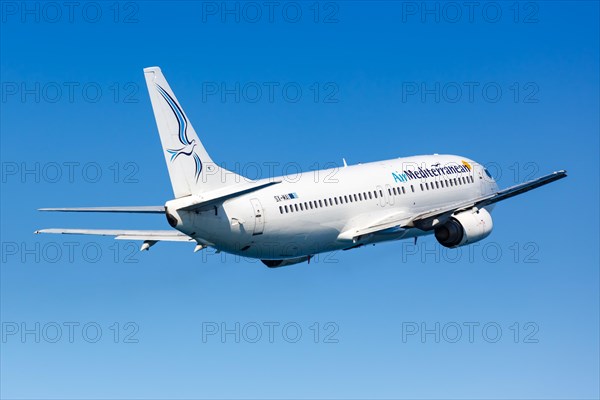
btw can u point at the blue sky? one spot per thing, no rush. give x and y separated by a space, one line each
512 86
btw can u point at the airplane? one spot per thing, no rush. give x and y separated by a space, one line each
287 220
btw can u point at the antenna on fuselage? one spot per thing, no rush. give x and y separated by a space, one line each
344 160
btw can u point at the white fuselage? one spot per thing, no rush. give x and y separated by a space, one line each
304 214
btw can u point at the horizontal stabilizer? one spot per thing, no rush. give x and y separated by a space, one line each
131 209
125 234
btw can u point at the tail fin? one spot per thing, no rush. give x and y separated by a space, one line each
191 169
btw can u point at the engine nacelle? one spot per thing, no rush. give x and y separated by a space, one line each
284 263
465 228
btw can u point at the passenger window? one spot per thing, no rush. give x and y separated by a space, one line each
360 197
370 197
336 201
355 197
296 207
301 209
437 185
420 184
286 209
365 195
394 190
412 188
380 193
280 210
389 191
375 193
455 184
403 191
320 203
426 186
330 202
346 198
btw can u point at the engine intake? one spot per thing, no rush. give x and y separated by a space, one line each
465 228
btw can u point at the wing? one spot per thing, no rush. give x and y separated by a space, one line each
428 220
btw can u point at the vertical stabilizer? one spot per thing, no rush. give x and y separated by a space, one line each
191 169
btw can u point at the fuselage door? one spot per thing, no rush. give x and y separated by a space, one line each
259 219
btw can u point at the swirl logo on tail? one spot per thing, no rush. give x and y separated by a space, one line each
188 145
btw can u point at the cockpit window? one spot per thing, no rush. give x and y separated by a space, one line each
488 173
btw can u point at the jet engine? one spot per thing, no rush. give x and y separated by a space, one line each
284 263
465 228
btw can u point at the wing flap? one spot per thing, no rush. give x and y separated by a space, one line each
398 220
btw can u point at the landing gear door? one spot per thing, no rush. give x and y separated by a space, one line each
259 219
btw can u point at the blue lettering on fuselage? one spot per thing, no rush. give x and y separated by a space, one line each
399 177
424 173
